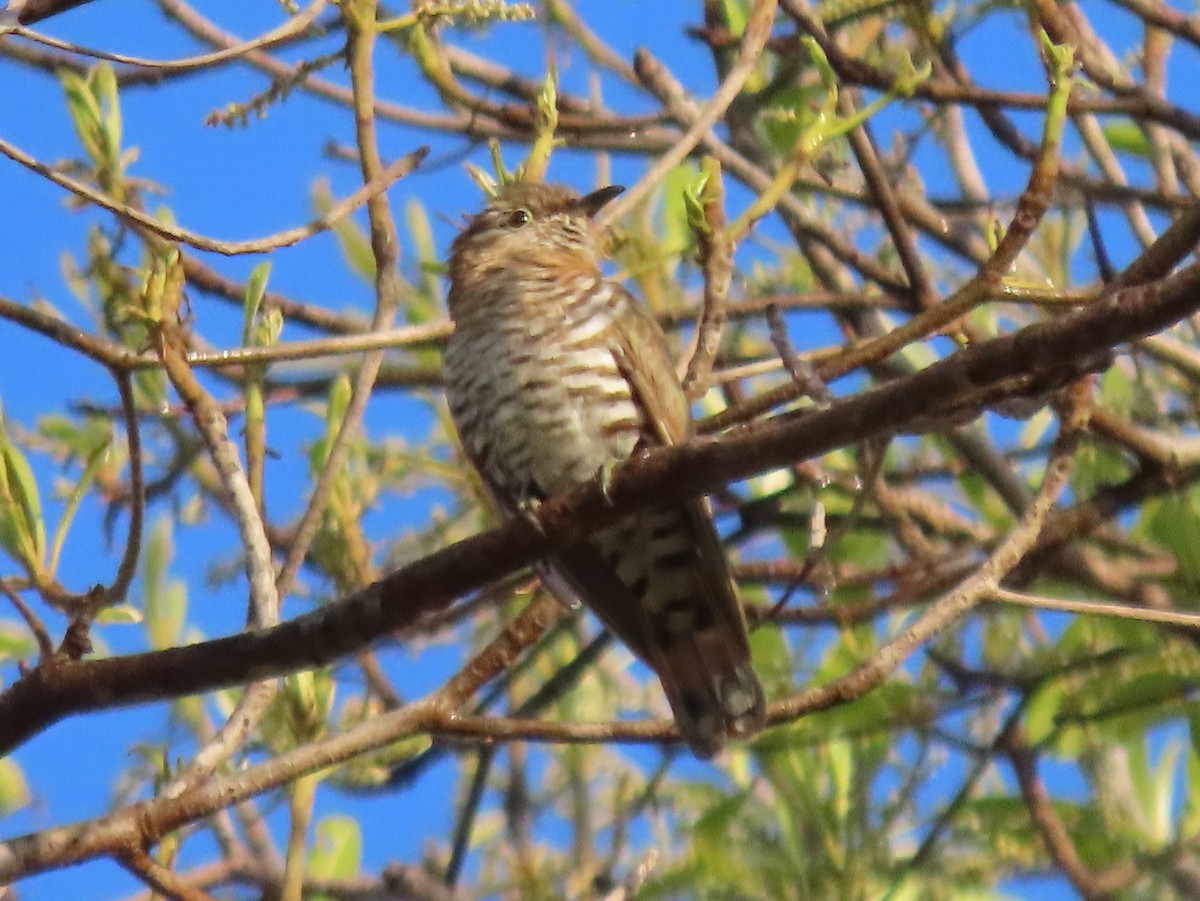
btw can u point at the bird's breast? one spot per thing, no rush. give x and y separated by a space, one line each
535 391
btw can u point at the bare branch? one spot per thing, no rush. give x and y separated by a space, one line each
338 211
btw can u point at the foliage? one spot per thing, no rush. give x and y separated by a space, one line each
889 206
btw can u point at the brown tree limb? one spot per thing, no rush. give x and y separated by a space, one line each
1092 885
144 824
1039 351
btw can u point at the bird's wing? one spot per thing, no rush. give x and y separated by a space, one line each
640 349
695 640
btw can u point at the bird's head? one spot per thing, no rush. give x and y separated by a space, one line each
530 225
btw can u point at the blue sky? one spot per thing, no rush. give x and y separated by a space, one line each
242 183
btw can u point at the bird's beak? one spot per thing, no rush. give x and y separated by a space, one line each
592 203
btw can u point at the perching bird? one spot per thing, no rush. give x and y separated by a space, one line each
555 374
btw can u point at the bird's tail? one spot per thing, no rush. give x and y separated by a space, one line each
713 693
687 622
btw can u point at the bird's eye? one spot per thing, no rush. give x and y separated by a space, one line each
517 218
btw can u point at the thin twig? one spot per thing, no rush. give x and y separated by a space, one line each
291 236
40 633
294 26
1096 608
716 263
143 865
754 39
802 371
120 358
1092 885
1033 204
136 495
385 248
264 600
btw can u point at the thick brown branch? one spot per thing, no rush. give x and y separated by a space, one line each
37 10
1056 349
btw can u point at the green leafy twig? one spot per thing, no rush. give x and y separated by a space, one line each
821 127
705 205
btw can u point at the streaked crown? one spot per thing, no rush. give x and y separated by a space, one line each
531 224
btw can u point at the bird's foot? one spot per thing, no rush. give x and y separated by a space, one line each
605 477
527 509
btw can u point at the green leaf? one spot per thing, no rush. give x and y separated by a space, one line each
305 704
270 326
1036 427
95 459
1162 806
694 199
720 859
1116 391
104 87
79 439
1003 632
1098 465
337 851
424 303
355 243
841 768
157 553
119 614
15 641
676 232
772 661
862 548
340 393
23 531
256 288
1189 819
1125 135
737 14
1174 522
14 792
1142 687
85 114
166 599
892 702
1042 711
782 120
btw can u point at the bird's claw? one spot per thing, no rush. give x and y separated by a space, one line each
527 508
605 476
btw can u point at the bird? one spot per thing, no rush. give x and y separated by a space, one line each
554 375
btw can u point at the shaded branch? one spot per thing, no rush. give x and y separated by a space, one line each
1053 351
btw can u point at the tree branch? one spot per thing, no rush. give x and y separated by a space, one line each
1057 350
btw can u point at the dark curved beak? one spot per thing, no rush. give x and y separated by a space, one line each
592 203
